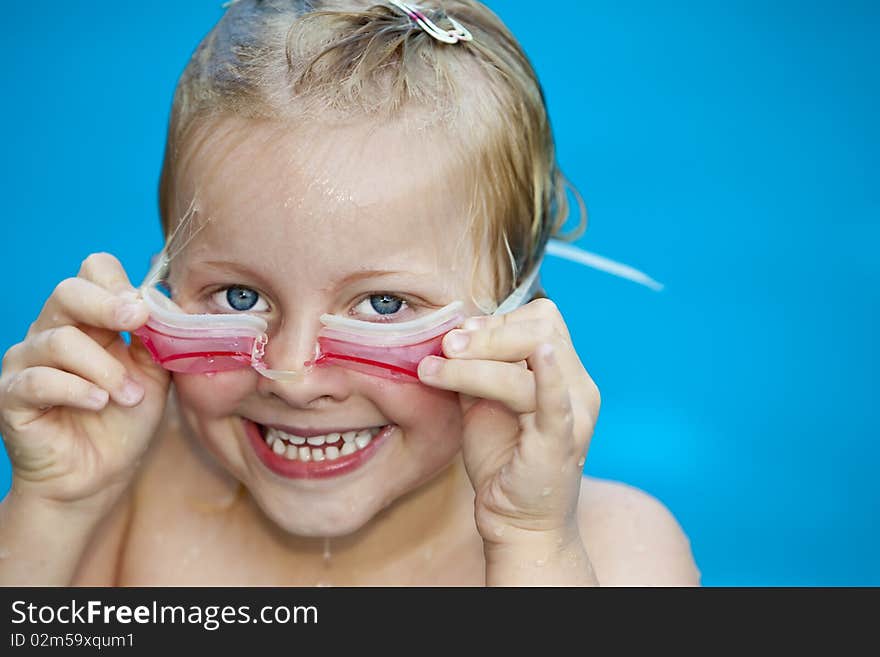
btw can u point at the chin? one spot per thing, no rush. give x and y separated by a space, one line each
339 506
331 519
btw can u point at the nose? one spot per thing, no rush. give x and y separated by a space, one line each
293 347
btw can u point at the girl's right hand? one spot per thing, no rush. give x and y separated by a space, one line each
78 406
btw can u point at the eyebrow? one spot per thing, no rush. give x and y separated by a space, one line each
368 273
230 266
345 280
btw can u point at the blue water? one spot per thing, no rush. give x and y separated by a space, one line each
728 149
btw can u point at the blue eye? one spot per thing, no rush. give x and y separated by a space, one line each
240 298
385 304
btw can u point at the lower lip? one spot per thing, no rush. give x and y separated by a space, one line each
311 469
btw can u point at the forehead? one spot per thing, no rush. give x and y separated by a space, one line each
375 195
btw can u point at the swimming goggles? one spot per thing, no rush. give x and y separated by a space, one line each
212 343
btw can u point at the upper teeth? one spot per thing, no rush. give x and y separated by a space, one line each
295 447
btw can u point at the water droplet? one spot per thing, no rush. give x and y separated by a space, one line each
581 462
546 491
327 550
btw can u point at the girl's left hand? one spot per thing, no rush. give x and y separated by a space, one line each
529 410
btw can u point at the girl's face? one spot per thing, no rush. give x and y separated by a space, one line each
360 221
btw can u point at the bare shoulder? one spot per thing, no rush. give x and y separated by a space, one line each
632 538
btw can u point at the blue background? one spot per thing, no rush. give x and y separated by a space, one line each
729 149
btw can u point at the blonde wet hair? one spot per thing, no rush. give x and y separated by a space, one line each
326 60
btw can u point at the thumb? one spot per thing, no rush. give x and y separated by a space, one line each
489 439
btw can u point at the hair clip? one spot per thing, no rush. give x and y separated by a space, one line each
458 33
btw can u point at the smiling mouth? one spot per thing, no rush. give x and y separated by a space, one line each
315 456
330 446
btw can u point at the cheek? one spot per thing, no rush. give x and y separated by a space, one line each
215 395
431 419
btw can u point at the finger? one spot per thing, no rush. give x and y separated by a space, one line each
537 309
510 341
554 416
509 383
33 391
68 348
516 341
105 270
82 302
489 440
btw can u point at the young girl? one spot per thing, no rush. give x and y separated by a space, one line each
354 166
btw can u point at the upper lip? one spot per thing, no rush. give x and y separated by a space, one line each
308 433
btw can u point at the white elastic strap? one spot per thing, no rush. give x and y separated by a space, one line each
523 293
568 251
526 290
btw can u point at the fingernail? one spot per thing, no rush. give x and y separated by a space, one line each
98 397
128 312
131 391
429 366
457 341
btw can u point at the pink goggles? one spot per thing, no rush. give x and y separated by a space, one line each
392 351
211 343
200 344
207 344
